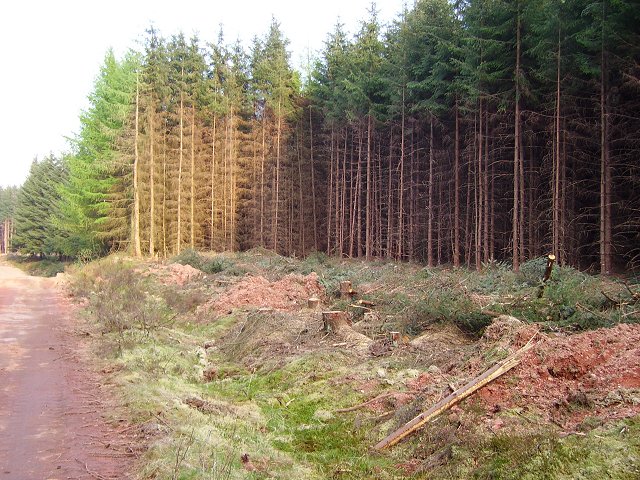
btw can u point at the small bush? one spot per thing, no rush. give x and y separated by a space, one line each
473 323
188 257
121 300
202 263
532 271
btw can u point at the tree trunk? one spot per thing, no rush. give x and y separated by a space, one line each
430 197
516 159
456 192
152 175
556 224
313 183
368 233
135 219
193 178
212 185
277 199
605 161
178 246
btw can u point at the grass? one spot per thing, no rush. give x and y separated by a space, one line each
37 266
607 452
281 410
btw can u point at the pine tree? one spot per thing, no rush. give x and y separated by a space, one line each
91 220
37 205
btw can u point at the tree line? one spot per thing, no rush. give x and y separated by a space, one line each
465 132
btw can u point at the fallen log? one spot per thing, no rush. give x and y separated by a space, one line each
456 397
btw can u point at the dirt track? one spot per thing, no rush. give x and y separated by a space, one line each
51 424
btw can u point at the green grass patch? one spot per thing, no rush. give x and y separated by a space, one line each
39 266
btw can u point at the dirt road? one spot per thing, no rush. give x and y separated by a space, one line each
51 407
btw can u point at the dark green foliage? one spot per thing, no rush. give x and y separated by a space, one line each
8 198
37 208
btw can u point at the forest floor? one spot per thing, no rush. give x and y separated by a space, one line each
228 374
51 402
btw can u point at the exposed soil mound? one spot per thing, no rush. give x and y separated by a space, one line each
289 293
174 273
562 376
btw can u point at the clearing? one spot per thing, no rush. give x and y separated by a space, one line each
228 372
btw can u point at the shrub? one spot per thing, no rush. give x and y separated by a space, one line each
188 257
121 301
202 263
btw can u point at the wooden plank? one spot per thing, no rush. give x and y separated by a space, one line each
463 392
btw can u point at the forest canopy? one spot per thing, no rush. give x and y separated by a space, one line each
465 132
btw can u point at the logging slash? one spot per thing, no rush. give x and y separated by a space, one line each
460 394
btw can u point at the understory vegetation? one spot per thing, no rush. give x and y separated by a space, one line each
256 392
45 266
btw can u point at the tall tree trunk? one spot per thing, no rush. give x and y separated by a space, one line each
358 202
430 197
412 196
479 189
164 190
456 192
152 175
343 193
556 224
605 161
516 159
313 183
135 220
390 198
193 178
485 190
232 182
400 228
368 233
181 121
277 200
262 193
212 185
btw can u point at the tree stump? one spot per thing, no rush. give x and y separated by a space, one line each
394 338
335 320
338 323
346 289
313 303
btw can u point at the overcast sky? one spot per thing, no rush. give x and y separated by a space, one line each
51 52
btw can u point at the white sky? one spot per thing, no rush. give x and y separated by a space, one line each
51 52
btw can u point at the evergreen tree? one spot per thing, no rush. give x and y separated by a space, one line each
92 215
37 206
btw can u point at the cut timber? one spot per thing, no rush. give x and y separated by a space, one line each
313 303
456 397
339 323
547 274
